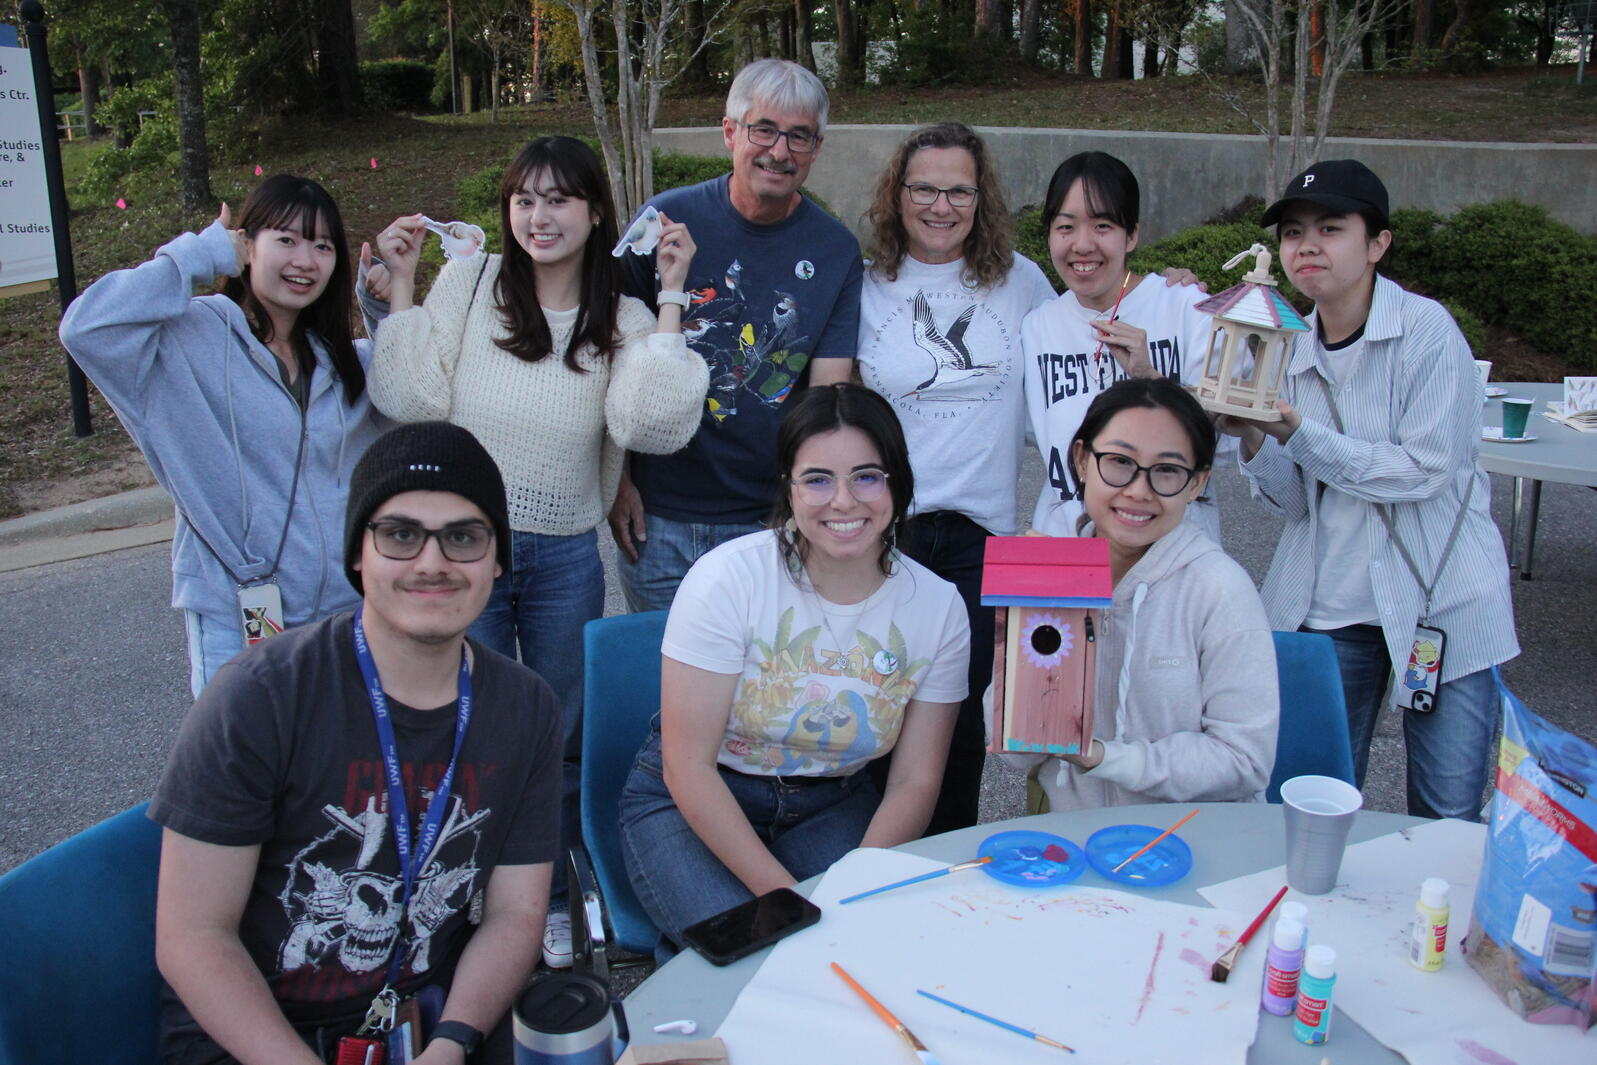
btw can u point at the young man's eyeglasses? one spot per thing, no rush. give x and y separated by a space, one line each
1165 478
926 195
466 541
799 141
817 489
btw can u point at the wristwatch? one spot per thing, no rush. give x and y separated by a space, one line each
458 1032
669 296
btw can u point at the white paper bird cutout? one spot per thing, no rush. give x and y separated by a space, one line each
642 235
461 240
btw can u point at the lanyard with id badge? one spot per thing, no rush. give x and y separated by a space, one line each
1419 685
387 1013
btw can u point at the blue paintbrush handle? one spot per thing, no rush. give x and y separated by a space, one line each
898 884
1017 1029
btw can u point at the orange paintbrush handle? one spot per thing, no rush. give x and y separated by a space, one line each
1155 841
870 1000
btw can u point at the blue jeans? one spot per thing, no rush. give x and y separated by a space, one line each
808 823
212 644
953 547
1449 749
665 557
554 588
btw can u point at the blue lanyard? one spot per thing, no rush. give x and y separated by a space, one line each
411 862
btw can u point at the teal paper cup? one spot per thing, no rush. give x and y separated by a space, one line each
1516 411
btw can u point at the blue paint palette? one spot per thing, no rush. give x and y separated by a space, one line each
1032 859
1165 864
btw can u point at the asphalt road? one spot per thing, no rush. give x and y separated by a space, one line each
94 677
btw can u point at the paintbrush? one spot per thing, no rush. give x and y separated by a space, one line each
1113 314
926 1056
1154 842
916 879
1221 970
980 1016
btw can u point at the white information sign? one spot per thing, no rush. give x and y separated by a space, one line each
27 244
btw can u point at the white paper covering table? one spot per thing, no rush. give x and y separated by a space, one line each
1228 840
1559 453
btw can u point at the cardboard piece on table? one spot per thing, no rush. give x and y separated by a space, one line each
1436 1018
699 1052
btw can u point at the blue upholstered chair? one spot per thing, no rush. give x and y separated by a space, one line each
621 695
1313 735
78 949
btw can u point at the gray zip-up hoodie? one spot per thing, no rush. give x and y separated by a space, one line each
1186 700
205 402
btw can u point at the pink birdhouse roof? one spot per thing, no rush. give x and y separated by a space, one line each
1046 571
1254 304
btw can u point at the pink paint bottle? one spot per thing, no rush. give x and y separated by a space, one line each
1282 967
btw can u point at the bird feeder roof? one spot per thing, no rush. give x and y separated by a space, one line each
1251 303
1047 571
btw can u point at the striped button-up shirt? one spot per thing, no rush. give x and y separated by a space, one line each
1411 407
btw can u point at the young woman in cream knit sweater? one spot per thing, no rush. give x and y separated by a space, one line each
540 356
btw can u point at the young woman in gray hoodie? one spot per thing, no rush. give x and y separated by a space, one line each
249 405
1186 700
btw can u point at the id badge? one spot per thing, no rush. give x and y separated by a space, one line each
260 608
1422 678
405 1036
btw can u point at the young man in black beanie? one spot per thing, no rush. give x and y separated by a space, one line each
361 815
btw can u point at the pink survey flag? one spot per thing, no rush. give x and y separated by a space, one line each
374 162
121 203
257 169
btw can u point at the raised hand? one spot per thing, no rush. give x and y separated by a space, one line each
1128 344
399 243
379 283
241 240
674 254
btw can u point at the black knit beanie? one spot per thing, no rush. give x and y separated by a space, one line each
424 457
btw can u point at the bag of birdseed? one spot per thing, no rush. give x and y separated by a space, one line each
1531 931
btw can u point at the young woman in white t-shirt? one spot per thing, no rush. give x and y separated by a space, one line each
793 658
939 339
1111 323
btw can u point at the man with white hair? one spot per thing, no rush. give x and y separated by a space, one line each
774 292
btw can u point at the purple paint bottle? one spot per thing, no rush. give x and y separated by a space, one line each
1282 967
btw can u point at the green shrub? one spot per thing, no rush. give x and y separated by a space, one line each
147 159
673 171
1032 242
396 85
1474 332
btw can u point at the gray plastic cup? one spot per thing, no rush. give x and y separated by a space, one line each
1319 812
1516 412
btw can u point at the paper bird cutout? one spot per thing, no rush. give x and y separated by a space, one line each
461 240
641 236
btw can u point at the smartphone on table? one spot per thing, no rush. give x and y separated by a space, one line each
751 926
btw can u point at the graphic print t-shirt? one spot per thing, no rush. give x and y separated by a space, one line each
948 358
765 299
1063 378
823 686
281 751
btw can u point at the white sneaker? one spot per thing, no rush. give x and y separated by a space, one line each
557 940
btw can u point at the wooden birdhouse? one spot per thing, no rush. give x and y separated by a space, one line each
1250 344
1048 592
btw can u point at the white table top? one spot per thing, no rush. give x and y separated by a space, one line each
1558 453
1228 840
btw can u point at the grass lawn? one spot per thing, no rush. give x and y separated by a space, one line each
420 160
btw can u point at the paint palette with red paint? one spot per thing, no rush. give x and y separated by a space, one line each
1032 859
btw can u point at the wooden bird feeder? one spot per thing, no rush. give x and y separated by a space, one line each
1250 344
1049 592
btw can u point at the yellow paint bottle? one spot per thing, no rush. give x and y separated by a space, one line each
1428 933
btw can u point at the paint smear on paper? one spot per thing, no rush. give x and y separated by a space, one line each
1147 988
1192 957
1483 1054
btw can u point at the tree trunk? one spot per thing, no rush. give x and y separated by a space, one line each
801 35
1237 57
1127 56
850 45
1455 29
1150 59
337 65
784 25
1317 38
194 165
698 68
89 88
1083 58
1111 41
1424 25
993 19
1030 30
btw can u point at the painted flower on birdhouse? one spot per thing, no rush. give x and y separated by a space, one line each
1047 640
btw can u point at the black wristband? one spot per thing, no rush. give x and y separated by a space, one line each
459 1032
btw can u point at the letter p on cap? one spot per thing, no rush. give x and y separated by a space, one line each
1308 179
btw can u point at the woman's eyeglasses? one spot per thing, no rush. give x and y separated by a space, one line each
817 489
404 540
1165 478
926 195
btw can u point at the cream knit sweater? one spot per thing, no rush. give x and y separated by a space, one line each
557 435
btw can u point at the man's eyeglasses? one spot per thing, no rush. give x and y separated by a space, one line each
926 195
817 489
765 135
466 541
1165 478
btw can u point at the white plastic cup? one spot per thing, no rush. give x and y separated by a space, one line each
1319 813
1483 370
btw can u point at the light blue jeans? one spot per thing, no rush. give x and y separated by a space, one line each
1449 749
211 644
665 557
807 823
554 588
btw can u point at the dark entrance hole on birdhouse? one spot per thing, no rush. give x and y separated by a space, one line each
1045 639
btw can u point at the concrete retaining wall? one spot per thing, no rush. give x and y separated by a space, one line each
1187 177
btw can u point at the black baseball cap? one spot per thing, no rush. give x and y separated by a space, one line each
1346 186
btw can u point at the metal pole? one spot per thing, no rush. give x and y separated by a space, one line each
1585 38
66 273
